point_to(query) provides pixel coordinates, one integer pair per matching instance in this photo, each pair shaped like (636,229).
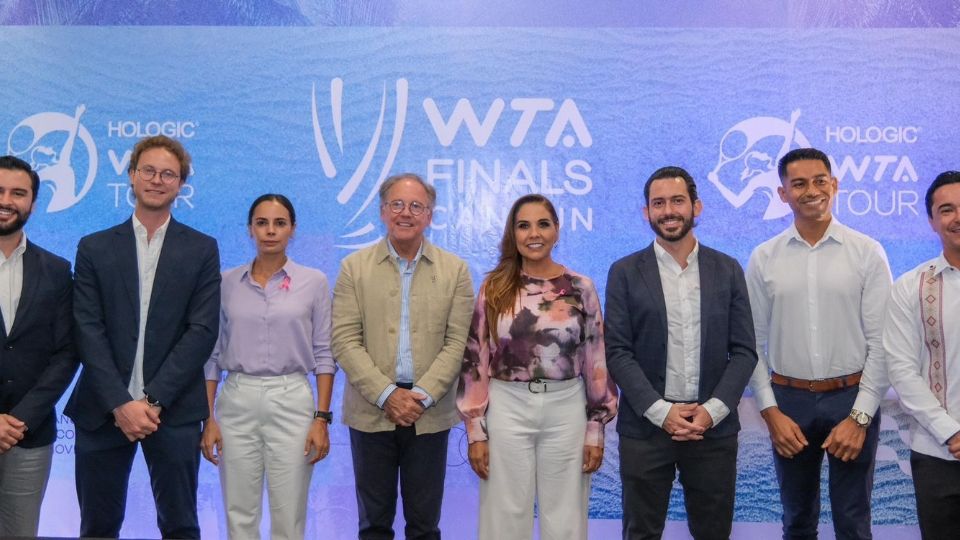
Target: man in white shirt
(680,345)
(818,291)
(37,358)
(921,337)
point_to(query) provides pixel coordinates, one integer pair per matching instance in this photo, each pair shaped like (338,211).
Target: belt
(541,386)
(817,385)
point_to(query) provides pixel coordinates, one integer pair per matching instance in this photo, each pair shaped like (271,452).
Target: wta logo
(48,141)
(749,153)
(360,185)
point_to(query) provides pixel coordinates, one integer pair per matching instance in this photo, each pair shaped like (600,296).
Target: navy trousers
(850,483)
(936,483)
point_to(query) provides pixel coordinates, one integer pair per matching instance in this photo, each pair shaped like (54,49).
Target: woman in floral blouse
(534,391)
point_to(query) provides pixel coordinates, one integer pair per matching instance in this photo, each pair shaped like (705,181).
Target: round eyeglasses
(397,206)
(167,176)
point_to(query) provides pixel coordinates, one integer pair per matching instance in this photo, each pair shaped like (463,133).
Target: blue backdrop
(488,101)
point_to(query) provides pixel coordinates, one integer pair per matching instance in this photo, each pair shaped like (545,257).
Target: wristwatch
(151,401)
(327,416)
(861,418)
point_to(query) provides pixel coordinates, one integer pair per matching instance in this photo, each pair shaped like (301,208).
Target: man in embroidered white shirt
(921,337)
(817,292)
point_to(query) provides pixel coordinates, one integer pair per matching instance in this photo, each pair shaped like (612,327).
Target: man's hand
(679,425)
(592,458)
(11,432)
(404,407)
(211,442)
(953,444)
(136,419)
(479,454)
(845,440)
(787,438)
(318,439)
(701,417)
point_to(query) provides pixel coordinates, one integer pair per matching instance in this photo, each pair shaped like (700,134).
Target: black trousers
(851,483)
(172,454)
(420,461)
(708,474)
(936,483)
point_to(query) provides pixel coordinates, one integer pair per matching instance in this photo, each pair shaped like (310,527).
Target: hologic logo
(351,194)
(48,142)
(749,153)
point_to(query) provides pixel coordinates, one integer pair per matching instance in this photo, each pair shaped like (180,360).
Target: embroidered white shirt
(908,358)
(818,310)
(148,255)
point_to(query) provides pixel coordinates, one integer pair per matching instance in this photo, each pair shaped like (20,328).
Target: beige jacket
(366,322)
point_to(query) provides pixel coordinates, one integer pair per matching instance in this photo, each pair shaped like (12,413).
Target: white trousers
(23,480)
(264,422)
(536,450)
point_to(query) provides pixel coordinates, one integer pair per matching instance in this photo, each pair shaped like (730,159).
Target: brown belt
(817,385)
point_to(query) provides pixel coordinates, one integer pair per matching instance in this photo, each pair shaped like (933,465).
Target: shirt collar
(140,229)
(664,256)
(396,256)
(835,232)
(17,251)
(289,269)
(940,264)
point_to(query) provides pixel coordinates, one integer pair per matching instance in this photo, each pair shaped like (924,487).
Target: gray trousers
(23,480)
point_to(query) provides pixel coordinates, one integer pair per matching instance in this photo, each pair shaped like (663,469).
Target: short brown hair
(162,141)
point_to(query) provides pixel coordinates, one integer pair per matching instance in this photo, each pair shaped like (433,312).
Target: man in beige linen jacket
(401,312)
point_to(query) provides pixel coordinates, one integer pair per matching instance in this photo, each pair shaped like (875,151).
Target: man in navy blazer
(146,305)
(680,345)
(37,358)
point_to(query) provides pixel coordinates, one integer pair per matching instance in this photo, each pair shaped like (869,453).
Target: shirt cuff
(944,427)
(476,429)
(765,398)
(717,410)
(594,435)
(385,394)
(657,413)
(866,403)
(427,403)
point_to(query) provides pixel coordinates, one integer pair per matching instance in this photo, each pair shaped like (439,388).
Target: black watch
(153,402)
(327,416)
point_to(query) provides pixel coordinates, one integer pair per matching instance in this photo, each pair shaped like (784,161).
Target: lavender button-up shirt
(279,329)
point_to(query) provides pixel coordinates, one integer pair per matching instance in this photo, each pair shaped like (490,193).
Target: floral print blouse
(556,332)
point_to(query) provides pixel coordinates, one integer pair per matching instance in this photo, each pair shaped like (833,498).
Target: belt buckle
(541,386)
(810,384)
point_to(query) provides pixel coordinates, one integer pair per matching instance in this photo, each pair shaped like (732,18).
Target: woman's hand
(211,442)
(592,458)
(479,454)
(317,439)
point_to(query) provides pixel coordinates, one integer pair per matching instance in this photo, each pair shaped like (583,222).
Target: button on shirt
(681,294)
(908,358)
(280,329)
(405,372)
(818,311)
(148,255)
(11,282)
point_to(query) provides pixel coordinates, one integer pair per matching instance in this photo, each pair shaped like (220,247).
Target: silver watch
(861,418)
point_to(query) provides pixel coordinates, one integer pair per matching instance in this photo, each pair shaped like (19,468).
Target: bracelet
(327,416)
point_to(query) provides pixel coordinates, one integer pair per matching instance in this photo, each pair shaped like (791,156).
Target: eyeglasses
(397,206)
(166,176)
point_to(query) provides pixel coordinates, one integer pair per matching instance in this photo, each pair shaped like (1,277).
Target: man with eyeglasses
(146,307)
(401,311)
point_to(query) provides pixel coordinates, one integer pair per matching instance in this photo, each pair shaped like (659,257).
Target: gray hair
(389,182)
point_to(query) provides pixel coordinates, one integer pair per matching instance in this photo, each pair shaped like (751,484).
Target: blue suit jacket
(635,334)
(37,357)
(182,325)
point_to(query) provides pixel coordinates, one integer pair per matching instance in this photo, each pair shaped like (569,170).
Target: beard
(14,227)
(685,227)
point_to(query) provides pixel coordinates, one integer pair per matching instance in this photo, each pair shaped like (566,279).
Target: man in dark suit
(37,358)
(680,345)
(146,305)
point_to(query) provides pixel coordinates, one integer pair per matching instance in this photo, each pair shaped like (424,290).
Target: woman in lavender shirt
(274,332)
(534,392)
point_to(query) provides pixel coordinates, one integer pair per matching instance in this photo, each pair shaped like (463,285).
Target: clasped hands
(404,407)
(687,421)
(137,419)
(11,432)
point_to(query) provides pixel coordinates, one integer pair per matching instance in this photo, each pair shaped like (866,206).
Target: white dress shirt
(908,358)
(11,282)
(681,294)
(148,255)
(818,311)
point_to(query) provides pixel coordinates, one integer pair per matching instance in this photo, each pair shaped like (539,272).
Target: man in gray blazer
(37,358)
(401,311)
(147,310)
(680,345)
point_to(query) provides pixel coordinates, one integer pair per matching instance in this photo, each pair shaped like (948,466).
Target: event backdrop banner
(579,109)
